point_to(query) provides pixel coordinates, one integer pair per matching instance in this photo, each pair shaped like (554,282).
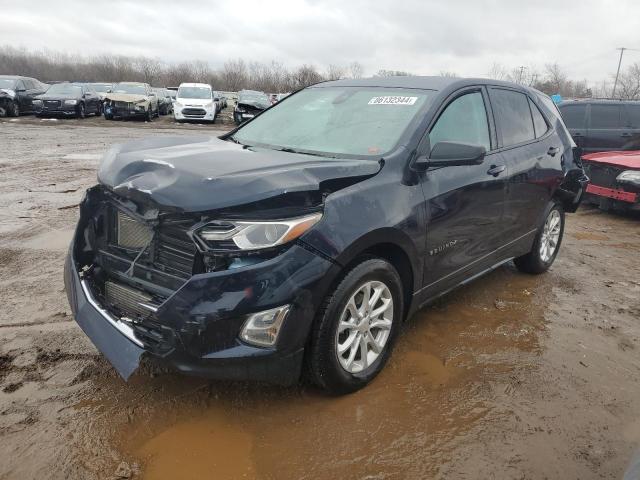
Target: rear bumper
(615,194)
(201,321)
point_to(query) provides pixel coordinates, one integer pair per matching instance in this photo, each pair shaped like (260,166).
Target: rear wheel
(356,327)
(546,244)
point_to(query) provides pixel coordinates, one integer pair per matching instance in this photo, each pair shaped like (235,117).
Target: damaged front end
(7,97)
(145,277)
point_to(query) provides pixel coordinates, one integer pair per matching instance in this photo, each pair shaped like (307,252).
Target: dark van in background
(603,125)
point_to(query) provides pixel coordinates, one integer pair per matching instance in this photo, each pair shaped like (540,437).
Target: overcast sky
(420,36)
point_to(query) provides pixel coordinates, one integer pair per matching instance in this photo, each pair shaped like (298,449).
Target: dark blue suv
(302,240)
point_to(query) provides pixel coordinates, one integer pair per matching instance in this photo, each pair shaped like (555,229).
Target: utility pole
(615,83)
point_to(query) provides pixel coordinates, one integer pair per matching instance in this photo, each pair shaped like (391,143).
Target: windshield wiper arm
(291,150)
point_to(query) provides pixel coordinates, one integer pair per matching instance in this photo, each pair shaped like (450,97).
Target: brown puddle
(406,424)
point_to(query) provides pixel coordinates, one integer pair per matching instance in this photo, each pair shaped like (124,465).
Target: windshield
(101,87)
(64,89)
(131,89)
(7,83)
(337,120)
(194,92)
(254,98)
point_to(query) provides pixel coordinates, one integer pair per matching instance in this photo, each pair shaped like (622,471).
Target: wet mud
(513,376)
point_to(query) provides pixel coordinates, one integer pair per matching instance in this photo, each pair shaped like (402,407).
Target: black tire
(149,115)
(158,111)
(322,365)
(534,261)
(99,110)
(81,112)
(14,111)
(108,116)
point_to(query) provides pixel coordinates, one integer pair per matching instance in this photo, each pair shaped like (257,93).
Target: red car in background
(614,179)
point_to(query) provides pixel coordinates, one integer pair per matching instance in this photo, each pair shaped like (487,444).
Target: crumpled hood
(7,92)
(252,104)
(126,97)
(626,159)
(195,174)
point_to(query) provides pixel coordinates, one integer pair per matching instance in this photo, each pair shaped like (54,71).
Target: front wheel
(546,244)
(356,327)
(149,115)
(14,111)
(81,112)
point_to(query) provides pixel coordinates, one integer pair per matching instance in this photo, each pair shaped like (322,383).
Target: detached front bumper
(124,112)
(201,321)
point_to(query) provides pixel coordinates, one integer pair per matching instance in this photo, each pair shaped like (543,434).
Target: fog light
(262,328)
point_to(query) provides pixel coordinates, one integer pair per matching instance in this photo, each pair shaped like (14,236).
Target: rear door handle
(496,170)
(552,151)
(626,134)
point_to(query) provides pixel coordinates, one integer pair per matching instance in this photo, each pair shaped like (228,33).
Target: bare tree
(234,75)
(356,70)
(629,83)
(306,75)
(444,73)
(498,72)
(335,72)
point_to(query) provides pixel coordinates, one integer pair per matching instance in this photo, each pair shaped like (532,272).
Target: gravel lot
(514,376)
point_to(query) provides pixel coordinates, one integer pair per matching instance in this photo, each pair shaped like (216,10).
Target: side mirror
(448,154)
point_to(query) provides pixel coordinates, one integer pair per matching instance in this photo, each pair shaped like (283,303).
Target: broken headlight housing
(254,235)
(631,177)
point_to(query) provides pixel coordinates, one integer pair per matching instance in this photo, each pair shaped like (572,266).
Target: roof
(13,77)
(425,83)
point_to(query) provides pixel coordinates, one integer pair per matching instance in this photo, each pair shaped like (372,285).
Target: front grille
(122,105)
(602,175)
(51,103)
(130,233)
(169,250)
(175,251)
(194,112)
(128,301)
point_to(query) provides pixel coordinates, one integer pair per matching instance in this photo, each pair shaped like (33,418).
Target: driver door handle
(496,170)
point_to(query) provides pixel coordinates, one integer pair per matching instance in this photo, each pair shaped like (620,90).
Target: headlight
(70,102)
(247,235)
(629,176)
(240,110)
(37,102)
(177,104)
(208,105)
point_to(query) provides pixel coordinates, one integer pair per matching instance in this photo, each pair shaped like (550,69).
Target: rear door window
(539,123)
(513,116)
(574,115)
(464,120)
(605,117)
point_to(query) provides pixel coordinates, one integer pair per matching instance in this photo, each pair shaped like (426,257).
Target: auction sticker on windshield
(393,100)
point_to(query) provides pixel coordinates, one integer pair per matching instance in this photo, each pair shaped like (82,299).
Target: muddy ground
(514,376)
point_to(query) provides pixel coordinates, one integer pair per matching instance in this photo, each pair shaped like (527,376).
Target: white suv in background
(195,101)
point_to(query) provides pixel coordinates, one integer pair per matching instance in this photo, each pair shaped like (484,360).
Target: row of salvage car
(190,101)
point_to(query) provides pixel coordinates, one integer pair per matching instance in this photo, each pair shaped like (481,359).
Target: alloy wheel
(364,326)
(550,235)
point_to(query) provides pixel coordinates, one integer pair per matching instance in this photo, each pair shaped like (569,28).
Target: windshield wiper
(302,152)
